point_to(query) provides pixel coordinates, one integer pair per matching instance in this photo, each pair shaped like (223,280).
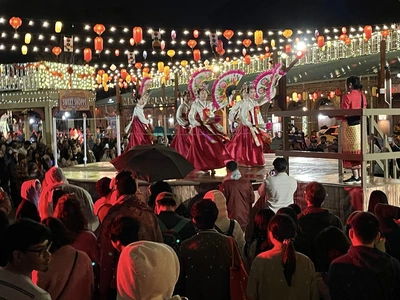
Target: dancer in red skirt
(182,139)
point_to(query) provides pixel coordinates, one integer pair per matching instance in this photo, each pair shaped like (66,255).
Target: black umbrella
(154,163)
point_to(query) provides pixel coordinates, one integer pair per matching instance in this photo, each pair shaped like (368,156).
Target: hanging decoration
(15,23)
(27,38)
(171,53)
(287,33)
(131,57)
(162,45)
(247,60)
(137,35)
(58,26)
(228,34)
(192,43)
(213,40)
(244,51)
(24,50)
(99,29)
(87,55)
(68,44)
(368,31)
(116,52)
(258,37)
(196,55)
(56,51)
(195,34)
(156,36)
(173,35)
(246,43)
(160,67)
(145,54)
(320,41)
(98,44)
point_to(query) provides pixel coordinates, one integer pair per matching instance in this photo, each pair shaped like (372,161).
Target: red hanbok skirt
(207,151)
(182,140)
(139,135)
(244,150)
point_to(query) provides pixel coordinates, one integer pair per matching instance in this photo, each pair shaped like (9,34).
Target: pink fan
(197,80)
(147,82)
(265,83)
(223,86)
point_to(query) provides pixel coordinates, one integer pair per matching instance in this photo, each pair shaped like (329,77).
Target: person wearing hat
(168,219)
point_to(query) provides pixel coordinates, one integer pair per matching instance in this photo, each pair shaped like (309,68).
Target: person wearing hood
(364,272)
(239,195)
(30,194)
(224,224)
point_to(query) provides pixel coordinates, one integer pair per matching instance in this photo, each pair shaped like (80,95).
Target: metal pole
(55,154)
(84,140)
(118,135)
(165,130)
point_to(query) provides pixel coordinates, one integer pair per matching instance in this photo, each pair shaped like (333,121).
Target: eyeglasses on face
(42,251)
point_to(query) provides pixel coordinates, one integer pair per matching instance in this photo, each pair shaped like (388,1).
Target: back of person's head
(166,199)
(103,186)
(145,257)
(283,229)
(59,233)
(20,236)
(192,201)
(157,188)
(315,194)
(375,198)
(125,183)
(280,164)
(365,227)
(296,208)
(232,166)
(204,214)
(354,83)
(261,221)
(348,222)
(70,213)
(330,244)
(289,212)
(124,229)
(220,201)
(54,176)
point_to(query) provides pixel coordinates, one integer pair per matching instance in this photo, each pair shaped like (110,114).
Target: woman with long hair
(181,141)
(282,273)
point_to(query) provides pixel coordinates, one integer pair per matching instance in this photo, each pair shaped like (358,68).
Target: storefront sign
(74,100)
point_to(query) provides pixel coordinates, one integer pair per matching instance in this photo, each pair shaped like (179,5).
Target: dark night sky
(208,13)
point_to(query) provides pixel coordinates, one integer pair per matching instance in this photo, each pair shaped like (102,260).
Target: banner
(68,44)
(74,100)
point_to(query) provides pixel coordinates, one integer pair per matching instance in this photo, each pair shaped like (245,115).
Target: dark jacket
(364,273)
(386,215)
(170,219)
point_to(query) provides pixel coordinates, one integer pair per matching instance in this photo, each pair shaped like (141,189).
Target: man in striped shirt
(24,247)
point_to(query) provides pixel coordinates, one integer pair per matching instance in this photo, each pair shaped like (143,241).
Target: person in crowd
(239,195)
(21,170)
(223,224)
(282,273)
(128,205)
(334,147)
(30,194)
(206,258)
(107,154)
(5,202)
(69,212)
(4,176)
(55,180)
(70,272)
(375,198)
(103,205)
(351,126)
(331,243)
(169,220)
(314,147)
(278,190)
(323,144)
(157,188)
(98,150)
(24,246)
(364,272)
(12,169)
(259,241)
(295,207)
(34,172)
(24,149)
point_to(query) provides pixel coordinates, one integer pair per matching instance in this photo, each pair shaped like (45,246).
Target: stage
(341,199)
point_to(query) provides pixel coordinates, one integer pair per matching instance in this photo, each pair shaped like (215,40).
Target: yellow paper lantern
(28,38)
(295,97)
(184,63)
(171,53)
(105,86)
(329,44)
(167,71)
(287,33)
(160,66)
(98,79)
(128,78)
(24,50)
(272,43)
(305,96)
(105,77)
(258,37)
(163,81)
(374,91)
(58,27)
(234,62)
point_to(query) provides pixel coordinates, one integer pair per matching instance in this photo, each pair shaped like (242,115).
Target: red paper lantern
(195,34)
(228,34)
(196,55)
(368,32)
(320,41)
(192,43)
(99,29)
(347,41)
(15,22)
(246,43)
(101,72)
(137,35)
(98,44)
(247,59)
(385,33)
(146,70)
(343,37)
(219,47)
(314,96)
(123,73)
(268,54)
(56,51)
(288,48)
(87,54)
(116,52)
(138,65)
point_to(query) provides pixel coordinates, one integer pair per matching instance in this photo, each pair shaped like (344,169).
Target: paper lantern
(261,57)
(267,54)
(320,41)
(273,43)
(138,65)
(137,35)
(220,46)
(305,96)
(144,54)
(385,33)
(99,29)
(368,32)
(24,50)
(195,34)
(258,37)
(56,51)
(246,43)
(58,27)
(192,43)
(98,43)
(247,59)
(344,30)
(98,79)
(28,38)
(101,72)
(15,22)
(347,41)
(228,34)
(162,45)
(196,55)
(244,51)
(128,78)
(287,33)
(171,53)
(167,71)
(106,87)
(294,97)
(288,48)
(87,55)
(222,52)
(173,35)
(314,96)
(116,52)
(132,41)
(146,70)
(106,78)
(123,73)
(266,49)
(160,67)
(343,37)
(316,33)
(184,63)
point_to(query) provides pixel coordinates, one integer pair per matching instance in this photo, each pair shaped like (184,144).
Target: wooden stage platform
(341,199)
